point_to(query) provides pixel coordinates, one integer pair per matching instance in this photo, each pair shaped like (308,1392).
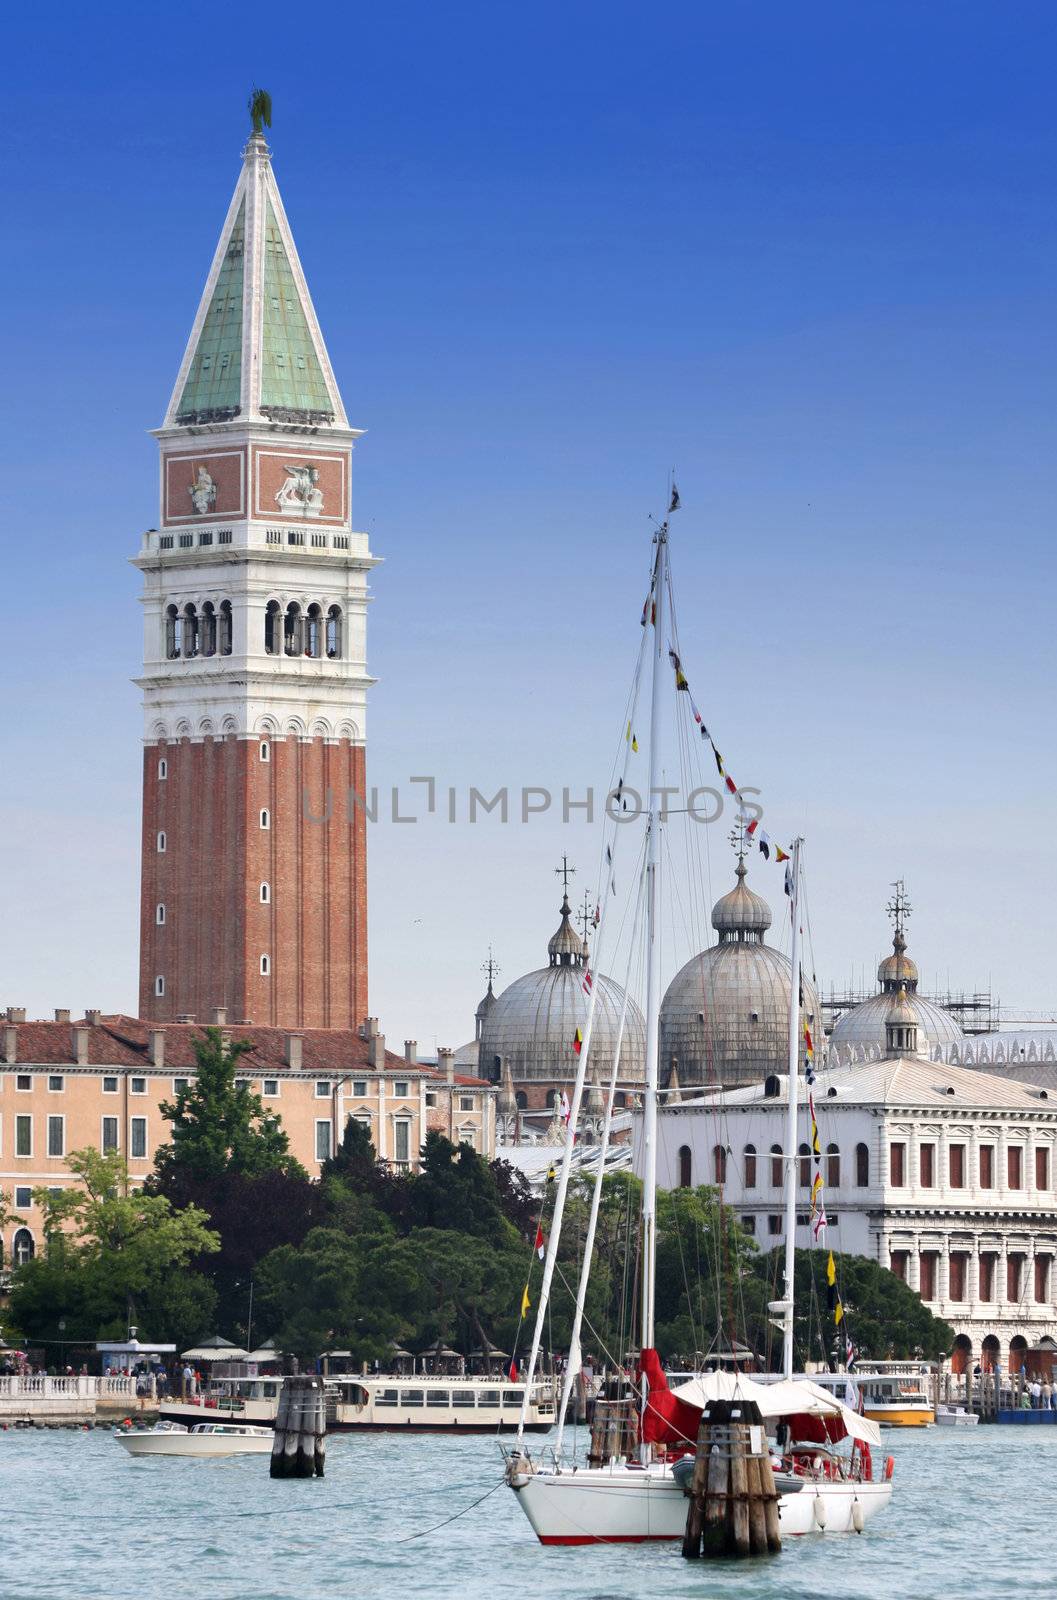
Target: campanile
(254,885)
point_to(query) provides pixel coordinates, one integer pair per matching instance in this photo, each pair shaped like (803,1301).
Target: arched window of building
(862,1166)
(832,1166)
(266,820)
(208,630)
(225,638)
(520,1099)
(334,642)
(776,1166)
(163,770)
(159,985)
(190,630)
(620,1100)
(266,966)
(551,1096)
(749,1165)
(685,1166)
(173,634)
(265,750)
(314,632)
(23,1248)
(159,915)
(271,628)
(719,1164)
(266,894)
(804,1166)
(293,630)
(161,844)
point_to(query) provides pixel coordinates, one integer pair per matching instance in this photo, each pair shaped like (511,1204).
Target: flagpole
(792,1085)
(653,962)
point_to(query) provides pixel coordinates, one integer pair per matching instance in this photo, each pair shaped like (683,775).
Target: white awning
(786,1398)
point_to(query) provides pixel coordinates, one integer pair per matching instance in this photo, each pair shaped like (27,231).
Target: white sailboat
(631,1489)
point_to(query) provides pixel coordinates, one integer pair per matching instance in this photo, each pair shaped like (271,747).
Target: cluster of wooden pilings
(733,1499)
(299,1449)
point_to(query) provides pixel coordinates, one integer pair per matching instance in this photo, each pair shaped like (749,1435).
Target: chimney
(411,1051)
(446,1060)
(294,1042)
(10,1044)
(156,1047)
(16,1013)
(93,1018)
(377,1048)
(81,1036)
(185,1016)
(220,1016)
(62,1016)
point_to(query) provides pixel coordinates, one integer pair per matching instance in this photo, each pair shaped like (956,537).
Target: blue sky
(806,256)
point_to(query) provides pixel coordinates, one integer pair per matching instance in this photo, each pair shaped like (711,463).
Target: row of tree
(230,1232)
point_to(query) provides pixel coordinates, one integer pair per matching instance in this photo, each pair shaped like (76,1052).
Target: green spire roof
(291,375)
(214,380)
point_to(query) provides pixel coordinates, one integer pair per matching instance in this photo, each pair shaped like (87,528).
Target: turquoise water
(973,1515)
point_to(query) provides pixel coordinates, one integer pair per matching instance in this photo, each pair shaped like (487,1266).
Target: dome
(532,1024)
(486,1004)
(725,1016)
(741,914)
(863,1028)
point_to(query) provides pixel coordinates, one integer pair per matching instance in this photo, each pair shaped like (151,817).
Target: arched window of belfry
(208,630)
(225,628)
(334,640)
(190,640)
(271,628)
(173,634)
(293,630)
(314,632)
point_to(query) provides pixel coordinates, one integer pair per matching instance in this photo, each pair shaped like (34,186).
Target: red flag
(541,1245)
(513,1371)
(578,1043)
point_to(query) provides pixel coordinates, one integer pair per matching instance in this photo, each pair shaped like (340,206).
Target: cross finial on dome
(565,872)
(491,969)
(899,909)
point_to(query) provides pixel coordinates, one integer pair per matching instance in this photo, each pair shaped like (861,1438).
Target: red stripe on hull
(612,1538)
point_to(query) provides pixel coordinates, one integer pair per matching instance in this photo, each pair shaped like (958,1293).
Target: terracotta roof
(120,1041)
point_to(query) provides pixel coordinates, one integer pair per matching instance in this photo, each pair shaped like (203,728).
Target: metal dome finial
(899,909)
(491,969)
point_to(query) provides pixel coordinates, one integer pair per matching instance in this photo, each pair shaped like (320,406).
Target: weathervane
(565,872)
(736,837)
(491,967)
(260,109)
(586,914)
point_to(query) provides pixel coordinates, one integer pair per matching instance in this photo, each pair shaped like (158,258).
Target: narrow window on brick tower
(266,752)
(208,630)
(159,915)
(265,966)
(159,985)
(163,770)
(334,633)
(293,630)
(173,634)
(266,820)
(266,894)
(314,632)
(190,631)
(225,627)
(271,628)
(161,844)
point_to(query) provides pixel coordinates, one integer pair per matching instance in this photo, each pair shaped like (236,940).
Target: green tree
(218,1124)
(111,1257)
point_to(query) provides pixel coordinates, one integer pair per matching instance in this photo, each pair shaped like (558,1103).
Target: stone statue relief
(301,491)
(203,492)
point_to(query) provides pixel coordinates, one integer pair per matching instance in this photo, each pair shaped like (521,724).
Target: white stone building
(942,1173)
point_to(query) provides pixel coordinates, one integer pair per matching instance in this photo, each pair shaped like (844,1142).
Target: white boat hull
(628,1505)
(191,1444)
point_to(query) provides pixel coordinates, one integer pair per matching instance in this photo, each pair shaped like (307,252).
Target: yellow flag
(831,1270)
(525,1302)
(838,1314)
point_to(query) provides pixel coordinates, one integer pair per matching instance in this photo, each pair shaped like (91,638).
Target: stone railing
(90,1388)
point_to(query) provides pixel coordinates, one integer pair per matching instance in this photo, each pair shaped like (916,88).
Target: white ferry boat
(893,1393)
(384,1402)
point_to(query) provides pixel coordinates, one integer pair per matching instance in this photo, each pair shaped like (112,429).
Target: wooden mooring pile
(733,1499)
(299,1449)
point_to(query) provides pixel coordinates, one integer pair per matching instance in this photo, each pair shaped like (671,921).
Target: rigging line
(421,1534)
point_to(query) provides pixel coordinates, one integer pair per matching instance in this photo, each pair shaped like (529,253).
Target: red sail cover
(667,1421)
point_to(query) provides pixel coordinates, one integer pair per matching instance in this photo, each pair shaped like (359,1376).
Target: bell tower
(254,885)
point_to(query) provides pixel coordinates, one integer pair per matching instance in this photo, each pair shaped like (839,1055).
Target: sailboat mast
(792,1110)
(653,951)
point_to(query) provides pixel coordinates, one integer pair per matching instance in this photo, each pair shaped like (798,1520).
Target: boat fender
(858,1521)
(820,1511)
(890,1466)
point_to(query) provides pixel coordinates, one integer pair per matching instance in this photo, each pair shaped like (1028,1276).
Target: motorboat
(204,1439)
(955,1417)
